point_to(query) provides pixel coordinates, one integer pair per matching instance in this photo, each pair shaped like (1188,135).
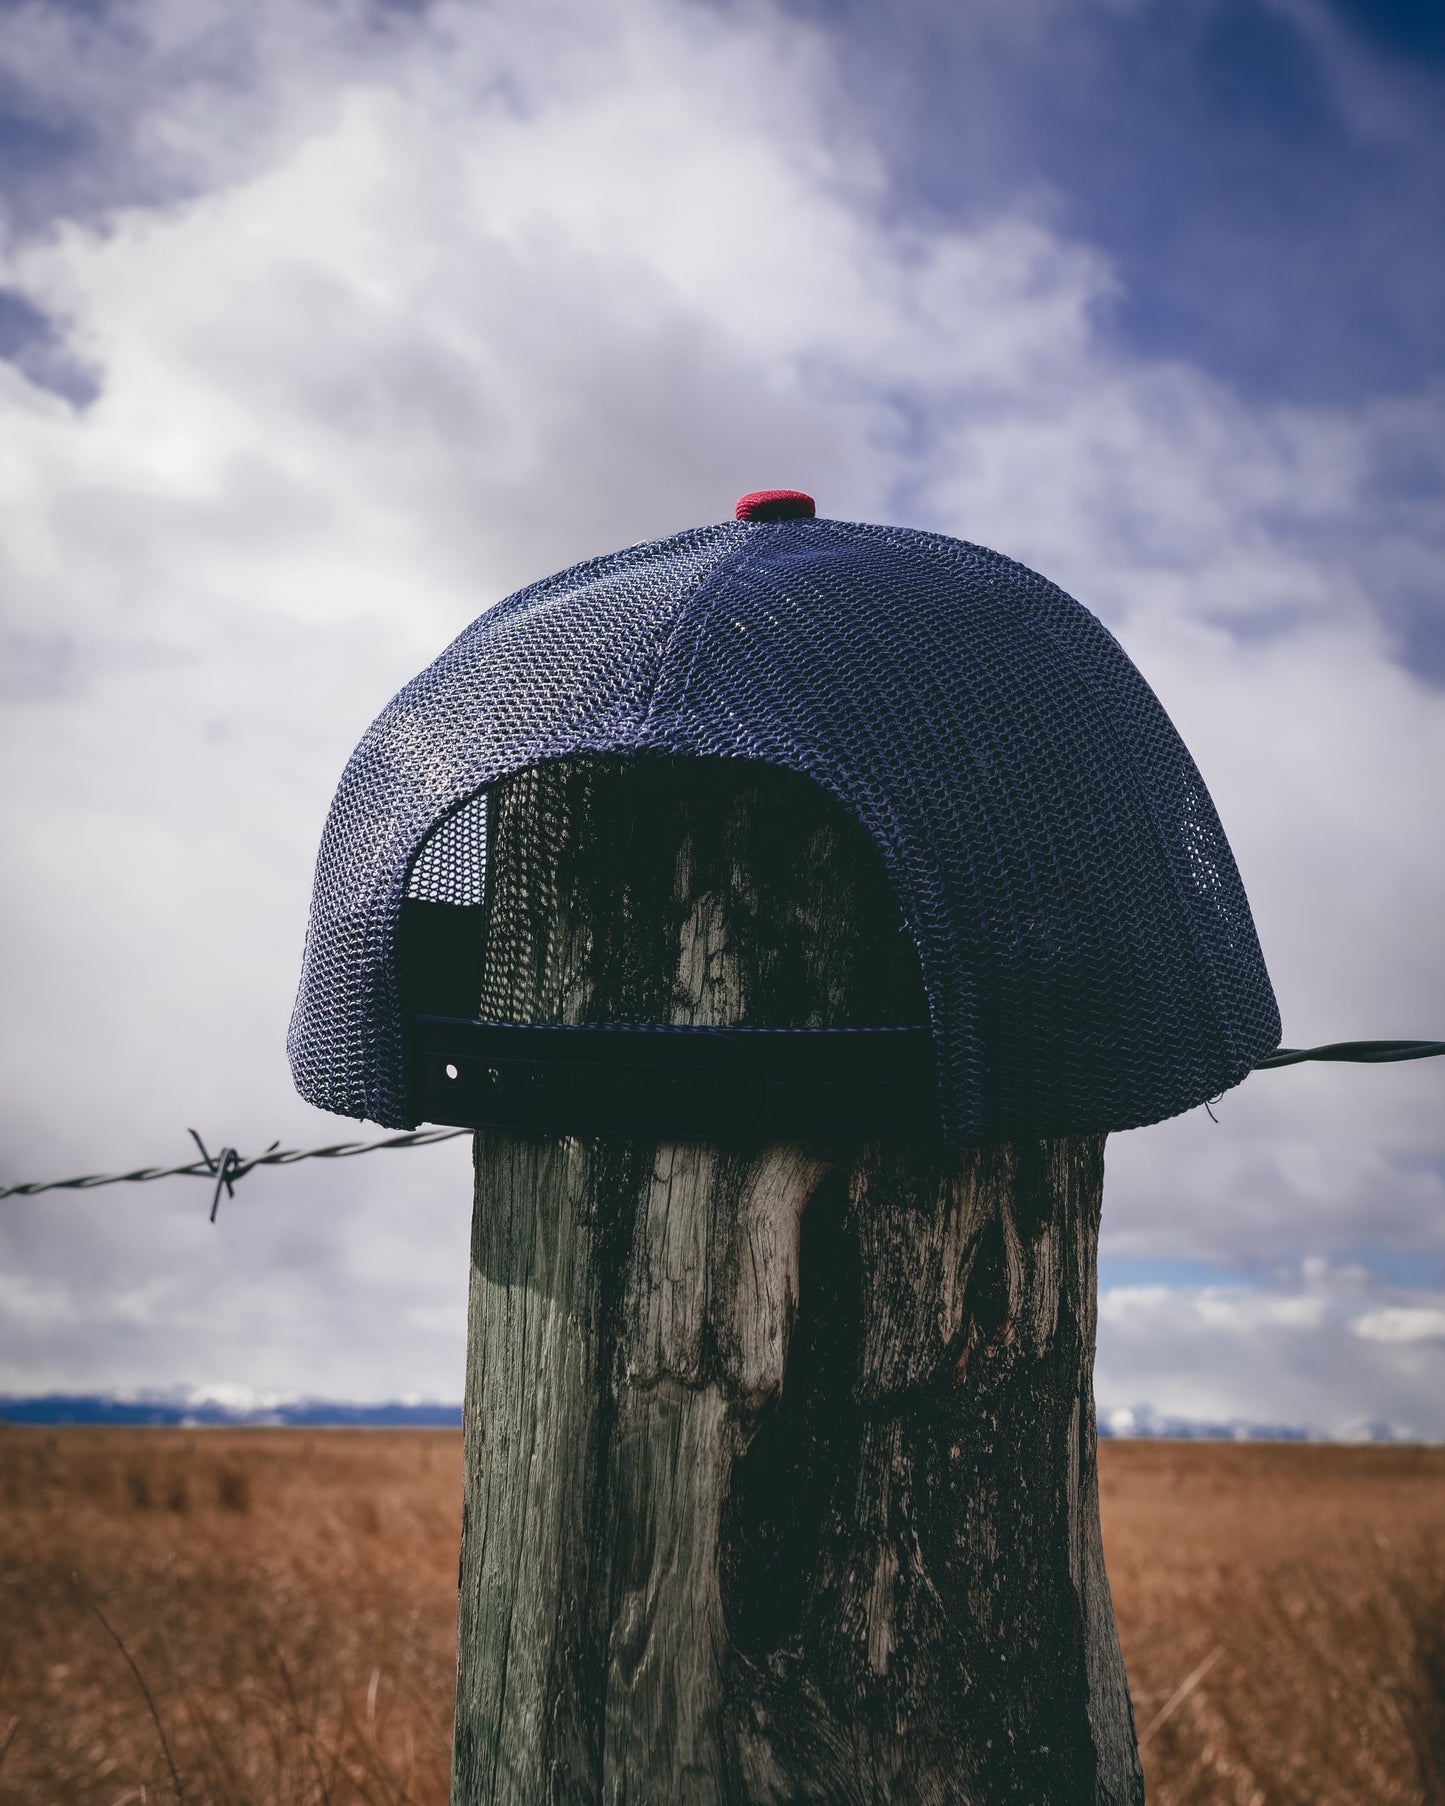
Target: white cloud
(1402,1323)
(1326,1349)
(453,302)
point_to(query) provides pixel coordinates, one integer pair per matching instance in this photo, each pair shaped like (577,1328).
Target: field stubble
(267,1618)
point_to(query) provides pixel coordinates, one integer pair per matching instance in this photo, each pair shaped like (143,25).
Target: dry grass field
(1305,1587)
(237,1617)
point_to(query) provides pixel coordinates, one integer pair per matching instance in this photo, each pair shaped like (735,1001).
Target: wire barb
(224,1167)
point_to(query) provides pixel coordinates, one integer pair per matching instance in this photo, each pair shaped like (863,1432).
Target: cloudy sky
(324,326)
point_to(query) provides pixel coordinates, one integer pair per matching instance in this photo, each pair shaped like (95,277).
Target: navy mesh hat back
(1084,939)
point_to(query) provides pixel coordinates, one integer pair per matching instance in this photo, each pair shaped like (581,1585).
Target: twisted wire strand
(1368,1053)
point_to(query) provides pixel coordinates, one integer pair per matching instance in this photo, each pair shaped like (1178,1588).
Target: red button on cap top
(775,504)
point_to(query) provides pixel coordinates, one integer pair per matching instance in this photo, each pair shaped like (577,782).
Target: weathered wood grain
(780,1476)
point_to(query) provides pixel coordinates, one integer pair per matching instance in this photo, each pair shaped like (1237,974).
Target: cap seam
(730,562)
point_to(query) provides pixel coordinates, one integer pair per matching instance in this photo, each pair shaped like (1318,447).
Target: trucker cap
(1083,937)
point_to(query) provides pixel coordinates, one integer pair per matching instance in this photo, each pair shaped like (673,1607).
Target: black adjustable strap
(674,1083)
(713,1084)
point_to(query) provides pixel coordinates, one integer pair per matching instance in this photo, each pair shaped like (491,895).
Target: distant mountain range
(196,1408)
(162,1410)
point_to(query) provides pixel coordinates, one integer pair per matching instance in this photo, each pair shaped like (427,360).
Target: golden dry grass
(287,1599)
(1314,1577)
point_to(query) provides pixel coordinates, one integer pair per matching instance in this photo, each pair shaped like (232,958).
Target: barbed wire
(228,1166)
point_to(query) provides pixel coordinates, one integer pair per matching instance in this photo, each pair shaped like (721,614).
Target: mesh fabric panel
(452,864)
(566,665)
(1084,938)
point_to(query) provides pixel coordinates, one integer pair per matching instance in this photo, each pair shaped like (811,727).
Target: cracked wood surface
(780,1459)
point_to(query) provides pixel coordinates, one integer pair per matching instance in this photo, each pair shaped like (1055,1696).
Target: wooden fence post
(780,1459)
